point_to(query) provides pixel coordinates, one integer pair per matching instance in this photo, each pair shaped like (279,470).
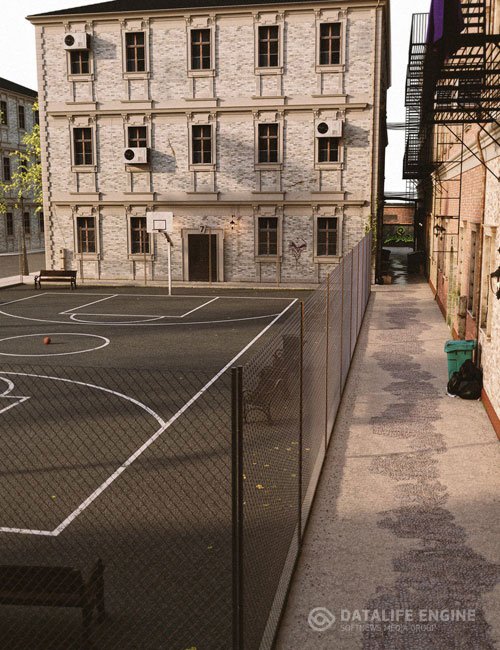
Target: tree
(25,181)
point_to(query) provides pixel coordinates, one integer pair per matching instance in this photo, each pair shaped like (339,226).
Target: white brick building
(17,119)
(224,100)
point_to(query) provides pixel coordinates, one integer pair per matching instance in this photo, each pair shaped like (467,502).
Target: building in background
(16,119)
(453,155)
(261,127)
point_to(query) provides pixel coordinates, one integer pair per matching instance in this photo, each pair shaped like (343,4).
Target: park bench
(43,586)
(49,275)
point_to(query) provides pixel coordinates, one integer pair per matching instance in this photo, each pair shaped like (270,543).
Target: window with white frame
(268,46)
(201,144)
(83,146)
(267,236)
(471,299)
(489,265)
(4,115)
(201,49)
(21,117)
(135,51)
(137,136)
(327,237)
(328,150)
(330,44)
(139,236)
(86,234)
(268,143)
(79,62)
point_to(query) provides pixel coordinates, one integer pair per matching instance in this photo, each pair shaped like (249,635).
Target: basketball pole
(169,260)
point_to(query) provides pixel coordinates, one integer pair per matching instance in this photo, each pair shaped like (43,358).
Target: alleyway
(407,514)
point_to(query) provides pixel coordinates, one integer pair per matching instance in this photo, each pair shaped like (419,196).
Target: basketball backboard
(160,222)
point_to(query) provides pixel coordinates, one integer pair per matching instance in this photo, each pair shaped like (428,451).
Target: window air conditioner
(136,156)
(77,41)
(329,129)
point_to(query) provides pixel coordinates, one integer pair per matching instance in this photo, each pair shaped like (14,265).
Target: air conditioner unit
(77,41)
(329,128)
(136,156)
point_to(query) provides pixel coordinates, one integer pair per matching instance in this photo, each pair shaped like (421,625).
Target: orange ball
(47,340)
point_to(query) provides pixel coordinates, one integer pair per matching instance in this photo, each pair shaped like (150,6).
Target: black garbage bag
(467,383)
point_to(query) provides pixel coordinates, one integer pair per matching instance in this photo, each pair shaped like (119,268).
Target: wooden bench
(49,275)
(42,586)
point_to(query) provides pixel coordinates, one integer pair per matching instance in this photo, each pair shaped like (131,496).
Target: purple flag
(446,22)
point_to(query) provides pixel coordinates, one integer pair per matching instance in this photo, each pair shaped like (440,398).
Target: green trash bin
(458,352)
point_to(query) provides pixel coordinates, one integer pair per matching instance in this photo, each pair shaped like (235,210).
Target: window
(27,223)
(21,117)
(268,236)
(3,112)
(9,224)
(86,234)
(202,144)
(201,58)
(137,136)
(268,143)
(41,222)
(82,143)
(80,62)
(269,46)
(23,165)
(36,117)
(135,46)
(328,150)
(6,169)
(329,43)
(139,237)
(326,241)
(471,300)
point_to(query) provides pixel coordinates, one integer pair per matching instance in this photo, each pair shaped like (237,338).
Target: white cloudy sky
(17,60)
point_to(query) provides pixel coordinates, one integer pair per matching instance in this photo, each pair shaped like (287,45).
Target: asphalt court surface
(116,444)
(134,329)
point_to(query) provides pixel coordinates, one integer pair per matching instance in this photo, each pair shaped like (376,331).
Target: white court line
(151,295)
(200,307)
(75,319)
(18,398)
(11,302)
(164,426)
(70,311)
(147,319)
(55,354)
(10,387)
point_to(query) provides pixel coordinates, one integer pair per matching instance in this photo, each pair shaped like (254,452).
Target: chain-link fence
(289,395)
(165,510)
(114,495)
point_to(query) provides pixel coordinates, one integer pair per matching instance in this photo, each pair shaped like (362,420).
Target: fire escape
(444,93)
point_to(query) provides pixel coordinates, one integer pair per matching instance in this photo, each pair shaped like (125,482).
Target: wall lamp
(232,223)
(438,230)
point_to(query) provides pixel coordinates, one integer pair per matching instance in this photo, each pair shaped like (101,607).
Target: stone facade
(17,99)
(230,197)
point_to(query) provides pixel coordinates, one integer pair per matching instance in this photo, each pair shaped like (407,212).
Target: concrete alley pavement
(407,514)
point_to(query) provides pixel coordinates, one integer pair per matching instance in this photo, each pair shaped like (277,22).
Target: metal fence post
(301,420)
(327,356)
(341,325)
(237,503)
